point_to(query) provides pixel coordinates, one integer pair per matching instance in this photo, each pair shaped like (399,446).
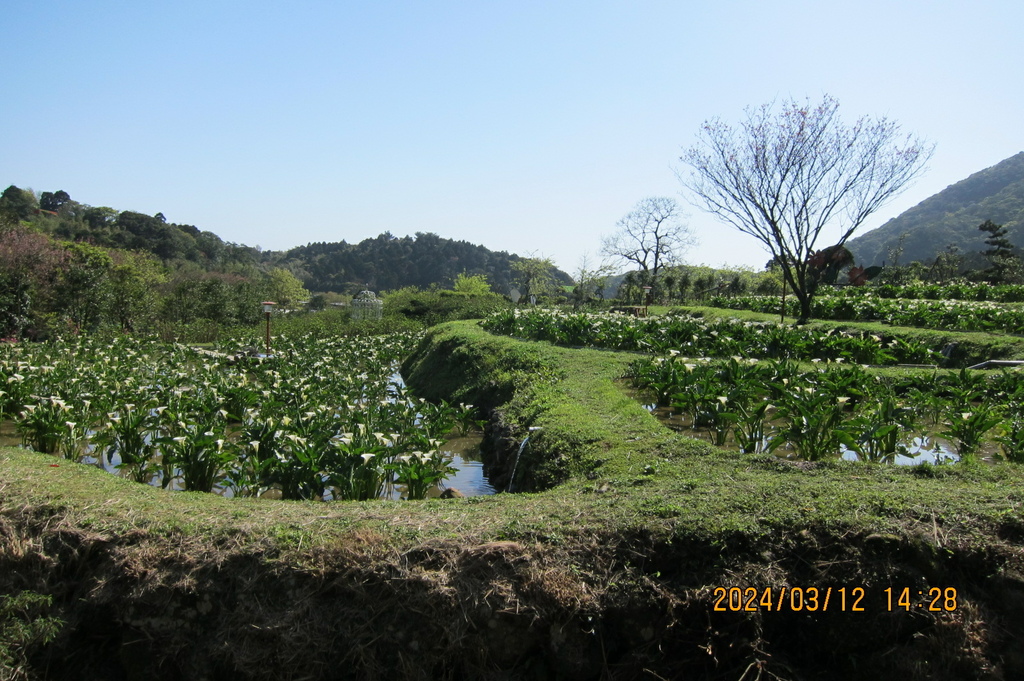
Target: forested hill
(952,217)
(381,263)
(63,218)
(387,262)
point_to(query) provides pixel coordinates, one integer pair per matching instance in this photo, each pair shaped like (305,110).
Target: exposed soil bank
(610,574)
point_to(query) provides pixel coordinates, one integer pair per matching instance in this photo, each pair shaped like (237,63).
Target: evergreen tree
(684,284)
(1005,264)
(947,264)
(16,205)
(627,291)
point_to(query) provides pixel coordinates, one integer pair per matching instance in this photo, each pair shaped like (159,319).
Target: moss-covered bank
(609,573)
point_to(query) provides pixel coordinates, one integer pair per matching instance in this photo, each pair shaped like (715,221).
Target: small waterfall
(515,465)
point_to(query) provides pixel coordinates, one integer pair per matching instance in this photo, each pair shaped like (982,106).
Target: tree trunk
(805,309)
(805,294)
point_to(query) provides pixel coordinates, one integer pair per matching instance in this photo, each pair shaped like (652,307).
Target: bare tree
(651,236)
(784,176)
(589,281)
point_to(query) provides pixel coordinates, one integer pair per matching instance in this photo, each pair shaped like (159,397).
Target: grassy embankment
(610,573)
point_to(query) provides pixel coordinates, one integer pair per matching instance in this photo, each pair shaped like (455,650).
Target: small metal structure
(367,306)
(997,363)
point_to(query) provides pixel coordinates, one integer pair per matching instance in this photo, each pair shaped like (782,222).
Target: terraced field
(639,552)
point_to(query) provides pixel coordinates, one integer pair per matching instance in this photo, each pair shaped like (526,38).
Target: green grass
(585,415)
(592,433)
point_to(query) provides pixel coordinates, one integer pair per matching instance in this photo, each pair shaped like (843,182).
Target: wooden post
(267,307)
(782,319)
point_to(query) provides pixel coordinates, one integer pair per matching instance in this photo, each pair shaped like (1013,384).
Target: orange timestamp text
(834,598)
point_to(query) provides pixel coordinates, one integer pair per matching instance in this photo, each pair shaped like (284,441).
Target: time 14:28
(935,599)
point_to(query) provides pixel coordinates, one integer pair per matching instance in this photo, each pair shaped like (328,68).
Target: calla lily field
(322,418)
(770,385)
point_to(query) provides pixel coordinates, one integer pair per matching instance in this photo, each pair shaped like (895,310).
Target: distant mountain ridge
(952,217)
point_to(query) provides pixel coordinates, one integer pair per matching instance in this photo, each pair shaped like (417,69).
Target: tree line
(387,262)
(66,267)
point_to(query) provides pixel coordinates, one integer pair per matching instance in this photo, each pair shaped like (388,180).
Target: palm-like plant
(130,433)
(968,428)
(814,424)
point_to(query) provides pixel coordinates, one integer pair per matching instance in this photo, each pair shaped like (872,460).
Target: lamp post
(647,298)
(268,306)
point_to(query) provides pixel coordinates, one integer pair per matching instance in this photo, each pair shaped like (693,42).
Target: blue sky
(524,126)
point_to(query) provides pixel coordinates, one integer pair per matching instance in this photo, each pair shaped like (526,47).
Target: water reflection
(469,479)
(913,449)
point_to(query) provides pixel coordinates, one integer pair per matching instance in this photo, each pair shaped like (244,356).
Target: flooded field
(469,479)
(915,448)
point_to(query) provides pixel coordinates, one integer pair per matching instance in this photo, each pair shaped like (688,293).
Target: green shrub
(434,306)
(24,625)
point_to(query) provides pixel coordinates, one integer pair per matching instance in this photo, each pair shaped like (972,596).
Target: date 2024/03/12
(821,599)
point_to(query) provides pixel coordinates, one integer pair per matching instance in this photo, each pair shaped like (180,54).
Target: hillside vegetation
(384,262)
(68,267)
(952,217)
(388,262)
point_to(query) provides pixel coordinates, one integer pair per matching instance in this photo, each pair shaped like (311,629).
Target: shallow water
(470,480)
(8,437)
(916,447)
